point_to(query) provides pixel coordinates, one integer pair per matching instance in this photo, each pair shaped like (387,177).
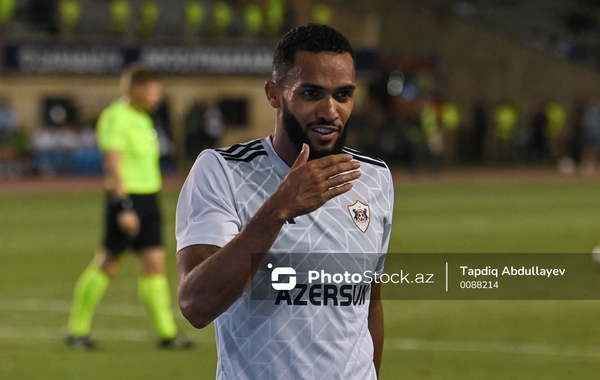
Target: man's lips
(324,129)
(323,132)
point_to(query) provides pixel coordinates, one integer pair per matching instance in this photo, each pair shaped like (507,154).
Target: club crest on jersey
(360,214)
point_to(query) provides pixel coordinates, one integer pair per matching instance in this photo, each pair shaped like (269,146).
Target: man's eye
(309,93)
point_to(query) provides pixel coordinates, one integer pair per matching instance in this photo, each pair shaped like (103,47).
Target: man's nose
(327,109)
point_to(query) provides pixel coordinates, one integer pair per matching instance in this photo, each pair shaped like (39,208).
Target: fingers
(333,159)
(302,157)
(310,184)
(338,168)
(334,192)
(342,179)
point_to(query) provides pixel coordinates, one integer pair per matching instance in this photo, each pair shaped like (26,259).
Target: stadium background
(499,192)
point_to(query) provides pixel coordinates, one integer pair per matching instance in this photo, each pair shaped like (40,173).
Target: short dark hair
(137,75)
(314,38)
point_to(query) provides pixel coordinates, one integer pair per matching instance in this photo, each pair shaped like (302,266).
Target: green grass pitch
(46,240)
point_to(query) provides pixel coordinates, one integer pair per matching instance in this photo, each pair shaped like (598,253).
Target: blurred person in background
(322,13)
(506,119)
(204,127)
(555,130)
(130,147)
(450,122)
(432,131)
(575,149)
(42,15)
(253,20)
(275,17)
(69,142)
(8,121)
(8,127)
(194,126)
(69,14)
(222,14)
(538,141)
(480,130)
(149,16)
(161,118)
(44,147)
(590,135)
(8,10)
(214,125)
(120,16)
(195,17)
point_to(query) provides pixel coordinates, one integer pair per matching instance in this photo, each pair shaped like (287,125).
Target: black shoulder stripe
(239,150)
(350,150)
(235,147)
(246,147)
(248,158)
(369,161)
(361,157)
(242,152)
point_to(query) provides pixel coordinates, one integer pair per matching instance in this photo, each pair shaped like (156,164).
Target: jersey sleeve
(387,228)
(206,212)
(111,132)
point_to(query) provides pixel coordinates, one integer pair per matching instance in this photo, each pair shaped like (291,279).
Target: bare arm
(112,177)
(211,278)
(376,324)
(128,221)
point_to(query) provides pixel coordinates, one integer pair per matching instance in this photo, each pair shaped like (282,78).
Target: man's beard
(299,136)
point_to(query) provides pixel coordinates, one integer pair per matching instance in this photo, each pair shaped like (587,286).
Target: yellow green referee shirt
(124,129)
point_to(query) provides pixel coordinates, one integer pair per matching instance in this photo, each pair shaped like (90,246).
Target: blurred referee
(130,147)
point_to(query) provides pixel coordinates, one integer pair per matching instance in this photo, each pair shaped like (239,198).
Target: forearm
(215,284)
(376,330)
(112,177)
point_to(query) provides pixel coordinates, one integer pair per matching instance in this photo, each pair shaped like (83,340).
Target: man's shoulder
(116,106)
(370,161)
(242,152)
(114,110)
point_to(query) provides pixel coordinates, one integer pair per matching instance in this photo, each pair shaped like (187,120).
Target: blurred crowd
(165,20)
(64,146)
(60,147)
(569,29)
(405,121)
(406,126)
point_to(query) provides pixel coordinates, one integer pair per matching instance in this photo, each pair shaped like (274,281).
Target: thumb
(302,157)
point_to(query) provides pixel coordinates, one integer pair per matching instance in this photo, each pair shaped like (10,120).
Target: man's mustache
(321,121)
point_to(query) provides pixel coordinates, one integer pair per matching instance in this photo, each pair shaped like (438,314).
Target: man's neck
(138,106)
(284,147)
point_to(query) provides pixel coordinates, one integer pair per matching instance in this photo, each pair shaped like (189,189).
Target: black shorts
(150,235)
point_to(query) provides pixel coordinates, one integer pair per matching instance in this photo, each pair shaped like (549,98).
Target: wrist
(123,203)
(126,204)
(275,212)
(280,217)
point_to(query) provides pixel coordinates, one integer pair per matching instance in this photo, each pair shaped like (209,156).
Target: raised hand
(310,184)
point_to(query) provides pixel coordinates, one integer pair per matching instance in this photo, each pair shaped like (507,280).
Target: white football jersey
(312,331)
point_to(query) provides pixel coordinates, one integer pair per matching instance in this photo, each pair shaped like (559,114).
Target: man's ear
(272,92)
